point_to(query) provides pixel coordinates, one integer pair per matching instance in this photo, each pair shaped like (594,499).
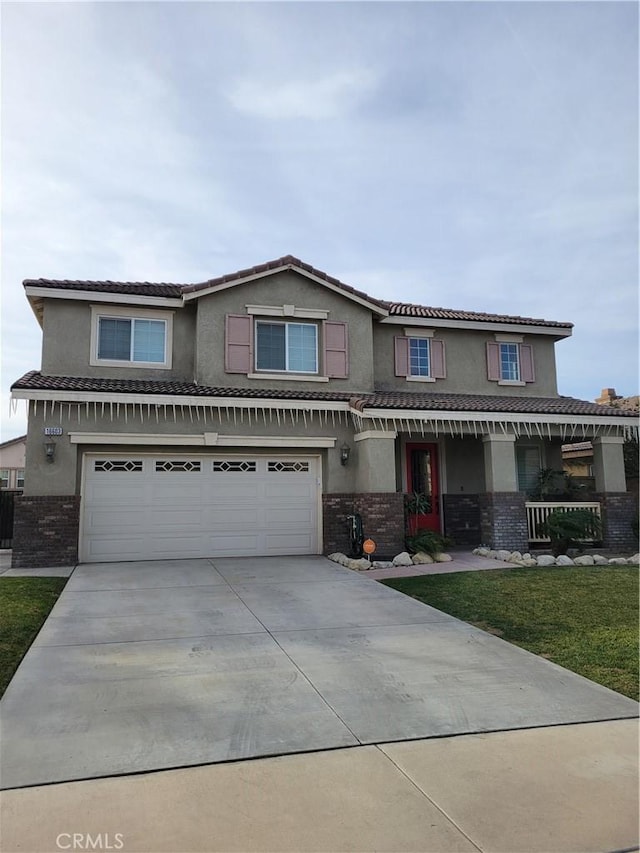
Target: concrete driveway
(147,666)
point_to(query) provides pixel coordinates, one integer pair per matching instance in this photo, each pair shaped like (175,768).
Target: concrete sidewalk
(563,788)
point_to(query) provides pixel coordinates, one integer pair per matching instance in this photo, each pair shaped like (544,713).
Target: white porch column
(376,461)
(500,463)
(608,464)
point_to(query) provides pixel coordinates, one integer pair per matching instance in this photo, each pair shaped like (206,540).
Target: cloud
(327,97)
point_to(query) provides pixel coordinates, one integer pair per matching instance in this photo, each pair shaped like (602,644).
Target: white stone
(563,560)
(617,561)
(482,552)
(503,555)
(584,560)
(529,561)
(443,558)
(546,560)
(633,561)
(335,557)
(527,556)
(402,559)
(599,560)
(493,554)
(382,564)
(360,565)
(422,559)
(515,557)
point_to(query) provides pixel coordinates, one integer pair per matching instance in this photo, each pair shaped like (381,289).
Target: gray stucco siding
(466,364)
(285,288)
(66,349)
(63,476)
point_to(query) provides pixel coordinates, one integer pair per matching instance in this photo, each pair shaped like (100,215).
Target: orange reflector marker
(368,546)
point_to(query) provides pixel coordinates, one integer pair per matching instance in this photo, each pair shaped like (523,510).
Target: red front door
(422,479)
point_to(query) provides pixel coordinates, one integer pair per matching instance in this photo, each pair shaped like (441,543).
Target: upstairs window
(122,338)
(510,362)
(419,357)
(20,478)
(4,478)
(287,347)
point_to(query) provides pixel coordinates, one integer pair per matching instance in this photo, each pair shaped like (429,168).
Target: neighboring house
(12,463)
(251,414)
(577,457)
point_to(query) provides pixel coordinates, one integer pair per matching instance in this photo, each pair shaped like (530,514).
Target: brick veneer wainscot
(45,531)
(462,519)
(618,510)
(503,520)
(382,518)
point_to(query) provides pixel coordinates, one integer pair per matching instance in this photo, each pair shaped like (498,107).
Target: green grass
(24,605)
(583,618)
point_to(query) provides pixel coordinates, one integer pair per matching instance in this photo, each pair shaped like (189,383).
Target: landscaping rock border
(403,559)
(548,560)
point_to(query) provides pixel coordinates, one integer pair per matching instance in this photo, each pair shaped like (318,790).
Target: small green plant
(427,541)
(569,528)
(551,482)
(417,503)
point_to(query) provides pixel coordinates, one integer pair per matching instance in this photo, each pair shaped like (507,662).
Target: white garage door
(143,507)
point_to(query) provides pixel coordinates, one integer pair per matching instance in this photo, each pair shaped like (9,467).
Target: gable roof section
(64,288)
(11,441)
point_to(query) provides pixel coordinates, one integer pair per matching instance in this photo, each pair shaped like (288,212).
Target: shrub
(569,528)
(427,541)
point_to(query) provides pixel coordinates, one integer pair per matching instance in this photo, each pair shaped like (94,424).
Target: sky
(470,155)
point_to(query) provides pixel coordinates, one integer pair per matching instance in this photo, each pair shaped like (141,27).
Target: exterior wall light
(345,450)
(50,450)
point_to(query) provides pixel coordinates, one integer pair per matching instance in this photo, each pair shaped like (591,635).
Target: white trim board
(207,439)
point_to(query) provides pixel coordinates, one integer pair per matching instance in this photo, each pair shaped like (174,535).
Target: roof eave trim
(479,325)
(225,285)
(136,399)
(101,296)
(498,417)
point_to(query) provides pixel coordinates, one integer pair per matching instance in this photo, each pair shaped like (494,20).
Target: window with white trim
(124,337)
(4,478)
(287,347)
(509,362)
(419,357)
(20,478)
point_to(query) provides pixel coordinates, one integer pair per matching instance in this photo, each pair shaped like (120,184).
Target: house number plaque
(53,430)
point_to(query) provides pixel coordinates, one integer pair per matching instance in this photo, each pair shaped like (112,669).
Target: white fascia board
(97,296)
(177,400)
(201,440)
(478,325)
(375,433)
(196,294)
(497,417)
(286,311)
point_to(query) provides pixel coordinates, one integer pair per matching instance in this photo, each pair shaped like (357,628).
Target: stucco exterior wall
(13,455)
(63,476)
(66,321)
(286,288)
(466,362)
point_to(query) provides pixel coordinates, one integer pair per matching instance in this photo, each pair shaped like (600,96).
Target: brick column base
(382,518)
(462,520)
(45,531)
(503,520)
(618,510)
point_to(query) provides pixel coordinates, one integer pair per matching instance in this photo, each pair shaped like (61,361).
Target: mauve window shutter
(493,361)
(527,372)
(438,366)
(336,350)
(401,347)
(238,343)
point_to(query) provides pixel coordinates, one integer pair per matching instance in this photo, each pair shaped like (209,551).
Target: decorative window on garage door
(233,466)
(177,465)
(129,465)
(286,467)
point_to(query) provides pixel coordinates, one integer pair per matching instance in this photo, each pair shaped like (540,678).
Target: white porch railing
(538,511)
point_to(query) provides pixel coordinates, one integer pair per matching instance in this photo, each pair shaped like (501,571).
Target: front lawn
(583,618)
(24,605)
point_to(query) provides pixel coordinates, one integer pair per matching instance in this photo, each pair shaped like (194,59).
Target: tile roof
(399,309)
(404,309)
(392,400)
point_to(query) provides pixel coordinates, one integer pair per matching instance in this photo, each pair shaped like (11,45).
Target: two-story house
(252,413)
